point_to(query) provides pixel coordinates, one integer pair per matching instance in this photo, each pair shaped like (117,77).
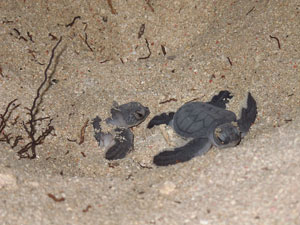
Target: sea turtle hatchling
(203,125)
(120,141)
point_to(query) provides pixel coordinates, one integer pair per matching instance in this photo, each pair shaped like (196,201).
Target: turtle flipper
(195,147)
(103,139)
(123,143)
(248,115)
(163,118)
(221,99)
(97,129)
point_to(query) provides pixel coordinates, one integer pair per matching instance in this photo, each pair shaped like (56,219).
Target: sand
(197,49)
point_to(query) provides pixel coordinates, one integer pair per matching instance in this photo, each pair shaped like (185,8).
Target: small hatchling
(203,124)
(120,140)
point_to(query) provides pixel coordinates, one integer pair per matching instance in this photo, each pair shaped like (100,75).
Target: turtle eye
(227,135)
(138,115)
(219,133)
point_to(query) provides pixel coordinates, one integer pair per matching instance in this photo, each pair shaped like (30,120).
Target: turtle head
(226,135)
(128,115)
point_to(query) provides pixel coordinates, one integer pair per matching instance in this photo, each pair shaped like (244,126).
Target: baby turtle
(203,125)
(119,142)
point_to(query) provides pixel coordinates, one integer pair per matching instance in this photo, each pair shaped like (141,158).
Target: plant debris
(113,11)
(30,37)
(141,31)
(55,198)
(146,57)
(82,132)
(17,31)
(145,167)
(213,76)
(1,72)
(73,21)
(278,42)
(52,36)
(149,4)
(32,53)
(4,118)
(87,208)
(163,50)
(169,100)
(192,100)
(113,164)
(31,125)
(229,61)
(19,36)
(250,11)
(85,39)
(72,140)
(106,60)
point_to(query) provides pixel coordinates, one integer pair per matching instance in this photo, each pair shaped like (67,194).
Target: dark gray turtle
(203,125)
(120,141)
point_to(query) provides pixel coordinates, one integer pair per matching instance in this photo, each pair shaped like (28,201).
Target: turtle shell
(199,119)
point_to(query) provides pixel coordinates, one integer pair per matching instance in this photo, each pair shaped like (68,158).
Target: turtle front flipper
(163,118)
(123,143)
(103,139)
(221,99)
(248,115)
(193,148)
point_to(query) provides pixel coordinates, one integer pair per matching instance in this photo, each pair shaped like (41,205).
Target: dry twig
(31,125)
(55,198)
(82,132)
(278,42)
(146,57)
(4,118)
(73,21)
(150,6)
(141,31)
(113,11)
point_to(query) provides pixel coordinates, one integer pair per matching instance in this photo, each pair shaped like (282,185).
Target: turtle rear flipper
(248,115)
(123,143)
(96,123)
(97,129)
(163,118)
(195,147)
(221,99)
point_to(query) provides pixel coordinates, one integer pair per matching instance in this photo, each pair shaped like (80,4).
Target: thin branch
(6,115)
(113,11)
(146,57)
(82,132)
(45,78)
(33,111)
(150,6)
(250,11)
(73,21)
(278,42)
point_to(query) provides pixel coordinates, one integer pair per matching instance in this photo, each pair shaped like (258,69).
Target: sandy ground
(209,45)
